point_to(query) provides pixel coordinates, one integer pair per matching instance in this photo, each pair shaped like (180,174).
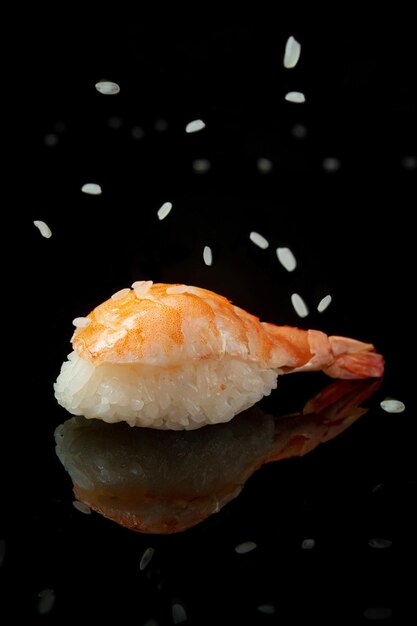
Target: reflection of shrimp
(165,482)
(174,356)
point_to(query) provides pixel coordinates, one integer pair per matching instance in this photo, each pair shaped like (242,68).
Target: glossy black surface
(360,109)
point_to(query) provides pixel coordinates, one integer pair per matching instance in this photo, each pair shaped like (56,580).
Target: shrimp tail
(297,350)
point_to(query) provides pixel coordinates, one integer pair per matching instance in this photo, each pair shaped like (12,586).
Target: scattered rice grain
(295,96)
(201,166)
(160,126)
(50,140)
(287,259)
(331,164)
(377,612)
(164,210)
(308,544)
(391,405)
(324,303)
(107,87)
(264,165)
(120,294)
(208,255)
(137,132)
(141,287)
(177,289)
(379,543)
(46,601)
(299,131)
(292,53)
(299,305)
(115,122)
(81,322)
(258,240)
(81,507)
(146,558)
(195,126)
(245,547)
(43,228)
(179,614)
(266,609)
(92,189)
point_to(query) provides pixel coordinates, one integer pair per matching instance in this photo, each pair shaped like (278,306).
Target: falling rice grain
(164,210)
(146,558)
(287,259)
(377,612)
(258,240)
(201,166)
(331,164)
(107,87)
(207,255)
(299,305)
(292,53)
(324,303)
(50,140)
(266,609)
(179,614)
(264,165)
(81,322)
(379,543)
(120,294)
(308,544)
(160,126)
(409,162)
(295,96)
(44,229)
(195,126)
(81,507)
(91,189)
(46,601)
(115,122)
(245,547)
(390,405)
(137,132)
(299,131)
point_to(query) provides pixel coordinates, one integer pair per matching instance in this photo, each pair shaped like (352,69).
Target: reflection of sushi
(180,357)
(165,482)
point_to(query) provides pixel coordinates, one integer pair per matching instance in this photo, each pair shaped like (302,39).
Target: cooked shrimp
(176,356)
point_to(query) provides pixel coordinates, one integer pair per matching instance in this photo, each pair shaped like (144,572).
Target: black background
(351,231)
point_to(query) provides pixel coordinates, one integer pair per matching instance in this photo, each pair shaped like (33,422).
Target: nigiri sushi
(180,357)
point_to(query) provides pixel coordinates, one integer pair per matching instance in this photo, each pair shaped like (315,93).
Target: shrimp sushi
(180,357)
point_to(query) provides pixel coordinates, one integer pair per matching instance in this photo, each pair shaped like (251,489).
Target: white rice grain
(46,601)
(146,558)
(287,259)
(201,166)
(377,613)
(208,255)
(92,189)
(324,303)
(164,210)
(266,609)
(264,165)
(299,305)
(120,294)
(331,164)
(391,405)
(308,544)
(299,131)
(107,87)
(137,132)
(177,289)
(245,547)
(195,126)
(81,322)
(141,287)
(292,53)
(179,614)
(258,240)
(43,228)
(379,543)
(81,507)
(295,96)
(50,139)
